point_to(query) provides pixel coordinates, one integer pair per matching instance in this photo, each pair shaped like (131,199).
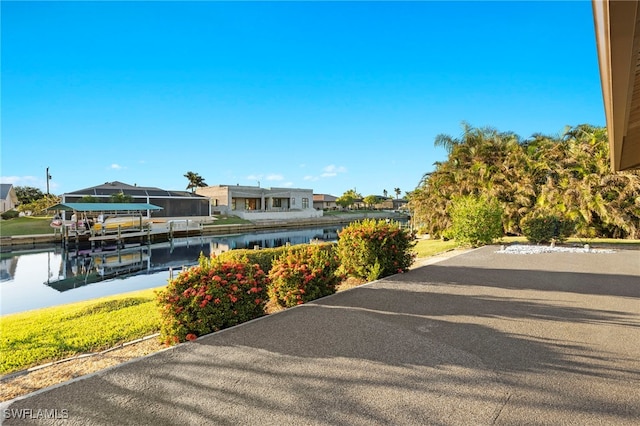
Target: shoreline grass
(35,337)
(27,225)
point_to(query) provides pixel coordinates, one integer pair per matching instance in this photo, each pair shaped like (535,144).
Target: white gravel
(531,249)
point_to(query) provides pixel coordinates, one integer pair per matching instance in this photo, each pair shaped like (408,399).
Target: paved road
(478,339)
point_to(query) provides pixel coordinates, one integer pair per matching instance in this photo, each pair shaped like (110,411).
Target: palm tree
(195,181)
(397,191)
(566,176)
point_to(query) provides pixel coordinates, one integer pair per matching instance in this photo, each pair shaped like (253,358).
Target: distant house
(8,197)
(400,204)
(390,203)
(173,203)
(384,203)
(256,203)
(324,202)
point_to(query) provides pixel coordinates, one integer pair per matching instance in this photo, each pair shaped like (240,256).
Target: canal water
(51,276)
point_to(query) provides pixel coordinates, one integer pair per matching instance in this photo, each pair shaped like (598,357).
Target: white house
(8,197)
(256,203)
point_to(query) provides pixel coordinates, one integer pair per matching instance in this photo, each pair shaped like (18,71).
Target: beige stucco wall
(293,199)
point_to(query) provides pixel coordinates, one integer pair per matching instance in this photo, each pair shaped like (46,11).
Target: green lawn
(25,226)
(428,248)
(43,335)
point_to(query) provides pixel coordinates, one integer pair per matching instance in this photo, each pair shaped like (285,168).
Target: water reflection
(31,280)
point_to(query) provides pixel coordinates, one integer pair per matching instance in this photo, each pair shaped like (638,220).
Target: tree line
(566,176)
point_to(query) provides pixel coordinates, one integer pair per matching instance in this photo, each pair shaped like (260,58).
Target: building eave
(617,29)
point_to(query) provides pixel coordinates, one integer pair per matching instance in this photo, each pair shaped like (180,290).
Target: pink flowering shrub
(372,249)
(263,257)
(302,274)
(210,296)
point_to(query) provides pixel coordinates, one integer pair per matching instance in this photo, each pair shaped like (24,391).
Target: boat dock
(148,233)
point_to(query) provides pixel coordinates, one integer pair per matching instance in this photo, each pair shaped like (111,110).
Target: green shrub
(544,229)
(372,249)
(10,214)
(263,257)
(210,296)
(475,220)
(304,273)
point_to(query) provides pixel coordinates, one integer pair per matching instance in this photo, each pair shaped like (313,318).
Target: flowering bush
(210,296)
(263,257)
(372,249)
(302,274)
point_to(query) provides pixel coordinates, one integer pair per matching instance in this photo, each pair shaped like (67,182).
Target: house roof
(5,188)
(104,207)
(617,27)
(115,187)
(324,197)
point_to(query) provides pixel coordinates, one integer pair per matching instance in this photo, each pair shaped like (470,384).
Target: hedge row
(234,287)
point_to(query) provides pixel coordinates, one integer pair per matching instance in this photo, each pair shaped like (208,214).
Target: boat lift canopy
(104,207)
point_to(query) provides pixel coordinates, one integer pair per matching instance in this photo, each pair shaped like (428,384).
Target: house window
(277,202)
(233,204)
(305,203)
(251,204)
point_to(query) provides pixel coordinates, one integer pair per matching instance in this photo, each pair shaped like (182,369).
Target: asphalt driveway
(478,339)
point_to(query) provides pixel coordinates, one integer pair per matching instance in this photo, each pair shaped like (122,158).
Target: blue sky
(324,95)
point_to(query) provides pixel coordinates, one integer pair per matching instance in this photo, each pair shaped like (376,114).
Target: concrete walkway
(481,338)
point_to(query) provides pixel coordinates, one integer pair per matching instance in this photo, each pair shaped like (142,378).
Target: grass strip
(26,226)
(428,248)
(44,335)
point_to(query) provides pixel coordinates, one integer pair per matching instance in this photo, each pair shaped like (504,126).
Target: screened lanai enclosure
(173,203)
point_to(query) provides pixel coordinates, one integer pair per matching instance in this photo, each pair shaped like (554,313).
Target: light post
(48,179)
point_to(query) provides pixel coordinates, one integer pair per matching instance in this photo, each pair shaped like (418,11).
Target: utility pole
(48,178)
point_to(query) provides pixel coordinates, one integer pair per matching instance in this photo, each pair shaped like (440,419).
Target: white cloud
(275,177)
(333,170)
(254,177)
(328,172)
(115,166)
(31,181)
(20,180)
(287,184)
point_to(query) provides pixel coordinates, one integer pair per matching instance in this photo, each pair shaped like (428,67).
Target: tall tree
(28,194)
(370,200)
(195,181)
(348,198)
(397,191)
(566,175)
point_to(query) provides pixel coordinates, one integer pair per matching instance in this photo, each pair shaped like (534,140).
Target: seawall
(21,242)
